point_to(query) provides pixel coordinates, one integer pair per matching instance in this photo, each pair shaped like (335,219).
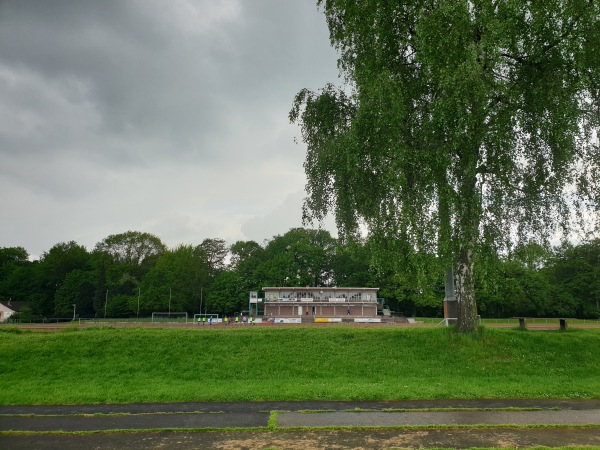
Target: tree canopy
(131,247)
(461,126)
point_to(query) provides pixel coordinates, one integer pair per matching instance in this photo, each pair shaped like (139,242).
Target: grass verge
(123,365)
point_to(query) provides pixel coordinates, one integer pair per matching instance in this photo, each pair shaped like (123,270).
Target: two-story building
(316,302)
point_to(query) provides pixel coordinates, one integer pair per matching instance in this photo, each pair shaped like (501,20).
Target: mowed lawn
(116,365)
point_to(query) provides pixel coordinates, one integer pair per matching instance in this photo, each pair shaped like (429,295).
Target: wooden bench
(523,323)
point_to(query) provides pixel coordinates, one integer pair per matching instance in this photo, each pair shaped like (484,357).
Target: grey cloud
(122,106)
(281,218)
(142,76)
(145,73)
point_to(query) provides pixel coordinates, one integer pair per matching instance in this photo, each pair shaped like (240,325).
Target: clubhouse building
(316,302)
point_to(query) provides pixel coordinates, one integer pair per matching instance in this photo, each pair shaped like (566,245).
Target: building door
(300,310)
(314,310)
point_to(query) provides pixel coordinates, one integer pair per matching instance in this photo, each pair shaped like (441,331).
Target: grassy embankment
(578,323)
(105,365)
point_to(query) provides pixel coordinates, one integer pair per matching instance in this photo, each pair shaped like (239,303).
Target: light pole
(105,303)
(74,308)
(201,291)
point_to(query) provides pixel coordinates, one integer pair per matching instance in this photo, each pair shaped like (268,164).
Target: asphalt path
(303,424)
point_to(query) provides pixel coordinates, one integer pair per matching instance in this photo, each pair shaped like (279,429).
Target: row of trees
(134,274)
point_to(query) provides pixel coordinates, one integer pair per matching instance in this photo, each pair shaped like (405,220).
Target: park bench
(523,323)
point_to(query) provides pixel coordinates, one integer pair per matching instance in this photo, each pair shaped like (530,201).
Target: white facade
(6,311)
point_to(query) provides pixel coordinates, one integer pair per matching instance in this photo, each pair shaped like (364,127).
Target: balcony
(319,300)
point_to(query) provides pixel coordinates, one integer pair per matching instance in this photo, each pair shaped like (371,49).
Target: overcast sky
(161,116)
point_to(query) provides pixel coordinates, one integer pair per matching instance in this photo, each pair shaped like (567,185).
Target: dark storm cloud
(143,73)
(187,95)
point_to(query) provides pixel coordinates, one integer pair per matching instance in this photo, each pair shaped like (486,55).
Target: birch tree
(458,125)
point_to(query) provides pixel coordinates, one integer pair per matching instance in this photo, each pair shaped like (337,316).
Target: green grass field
(117,365)
(515,322)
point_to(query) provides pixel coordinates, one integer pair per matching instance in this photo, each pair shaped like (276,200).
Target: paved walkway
(411,424)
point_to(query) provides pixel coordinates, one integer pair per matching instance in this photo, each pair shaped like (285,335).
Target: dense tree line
(133,274)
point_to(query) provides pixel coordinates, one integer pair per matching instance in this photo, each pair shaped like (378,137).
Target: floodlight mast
(105,303)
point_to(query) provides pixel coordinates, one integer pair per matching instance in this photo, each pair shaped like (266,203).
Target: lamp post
(105,303)
(74,308)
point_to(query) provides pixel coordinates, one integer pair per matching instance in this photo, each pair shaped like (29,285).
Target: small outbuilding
(7,309)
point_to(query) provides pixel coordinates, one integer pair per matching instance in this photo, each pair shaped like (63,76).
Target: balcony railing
(321,300)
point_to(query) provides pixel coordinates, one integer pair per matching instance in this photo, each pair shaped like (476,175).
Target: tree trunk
(468,233)
(465,292)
